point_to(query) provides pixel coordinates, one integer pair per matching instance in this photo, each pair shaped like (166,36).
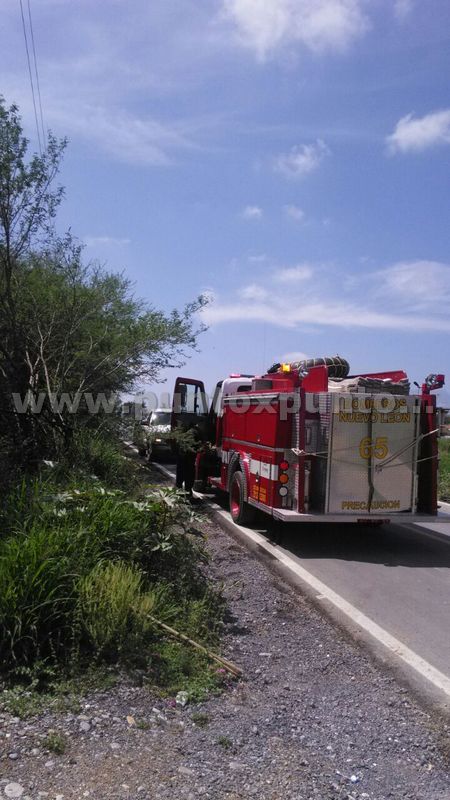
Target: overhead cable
(30,76)
(36,74)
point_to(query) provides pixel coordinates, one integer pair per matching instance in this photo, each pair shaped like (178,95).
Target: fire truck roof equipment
(338,367)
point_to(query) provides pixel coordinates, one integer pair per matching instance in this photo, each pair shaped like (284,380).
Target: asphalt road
(397,575)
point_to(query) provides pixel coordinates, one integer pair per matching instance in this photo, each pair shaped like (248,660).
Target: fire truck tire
(240,511)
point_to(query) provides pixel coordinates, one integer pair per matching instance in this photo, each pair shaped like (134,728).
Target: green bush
(83,567)
(150,532)
(55,742)
(98,453)
(80,570)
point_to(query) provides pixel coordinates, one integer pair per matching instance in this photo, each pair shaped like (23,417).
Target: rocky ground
(313,717)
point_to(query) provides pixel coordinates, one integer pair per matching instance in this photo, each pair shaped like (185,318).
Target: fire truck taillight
(283,478)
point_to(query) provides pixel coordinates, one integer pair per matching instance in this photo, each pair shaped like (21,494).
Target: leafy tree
(28,203)
(65,327)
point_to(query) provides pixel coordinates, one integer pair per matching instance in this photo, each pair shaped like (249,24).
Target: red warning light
(284,465)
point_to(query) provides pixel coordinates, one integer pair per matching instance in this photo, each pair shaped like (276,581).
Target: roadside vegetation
(91,557)
(86,572)
(444,469)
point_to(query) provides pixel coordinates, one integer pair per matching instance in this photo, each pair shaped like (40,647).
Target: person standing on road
(187,453)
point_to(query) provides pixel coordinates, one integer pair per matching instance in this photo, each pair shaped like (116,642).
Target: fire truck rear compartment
(350,459)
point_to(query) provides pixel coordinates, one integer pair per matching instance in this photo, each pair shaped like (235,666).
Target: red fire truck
(309,442)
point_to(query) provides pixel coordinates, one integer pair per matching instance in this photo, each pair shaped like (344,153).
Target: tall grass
(115,610)
(21,505)
(444,469)
(109,598)
(87,553)
(81,569)
(98,453)
(39,571)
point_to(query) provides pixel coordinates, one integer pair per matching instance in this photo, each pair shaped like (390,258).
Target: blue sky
(289,157)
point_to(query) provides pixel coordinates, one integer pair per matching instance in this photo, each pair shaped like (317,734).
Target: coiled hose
(338,367)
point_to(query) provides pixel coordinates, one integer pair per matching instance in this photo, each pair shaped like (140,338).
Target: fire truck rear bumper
(402,517)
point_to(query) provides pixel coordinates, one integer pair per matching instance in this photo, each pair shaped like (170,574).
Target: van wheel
(240,511)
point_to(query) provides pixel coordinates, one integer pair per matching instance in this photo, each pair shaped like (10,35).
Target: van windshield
(161,418)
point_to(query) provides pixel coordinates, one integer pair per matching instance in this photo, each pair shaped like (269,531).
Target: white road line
(323,592)
(412,659)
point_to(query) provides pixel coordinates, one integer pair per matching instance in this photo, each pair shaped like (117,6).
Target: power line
(36,73)
(31,76)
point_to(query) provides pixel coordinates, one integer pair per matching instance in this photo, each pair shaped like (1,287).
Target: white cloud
(415,134)
(402,8)
(265,26)
(289,358)
(258,258)
(294,212)
(417,284)
(103,84)
(253,292)
(302,272)
(252,212)
(322,313)
(108,241)
(127,137)
(301,159)
(334,301)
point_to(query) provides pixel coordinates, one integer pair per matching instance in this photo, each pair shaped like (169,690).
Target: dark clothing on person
(186,462)
(185,471)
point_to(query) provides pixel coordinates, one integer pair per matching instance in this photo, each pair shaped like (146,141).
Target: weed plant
(82,569)
(98,453)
